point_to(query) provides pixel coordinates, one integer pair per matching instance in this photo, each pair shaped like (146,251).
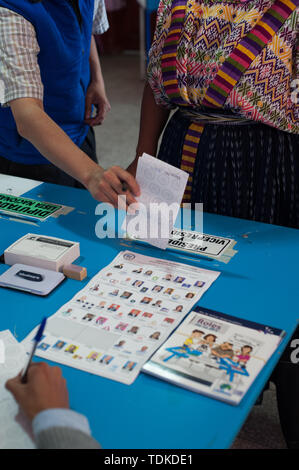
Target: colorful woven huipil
(240,56)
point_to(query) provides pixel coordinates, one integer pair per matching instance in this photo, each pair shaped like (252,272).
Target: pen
(36,340)
(124,186)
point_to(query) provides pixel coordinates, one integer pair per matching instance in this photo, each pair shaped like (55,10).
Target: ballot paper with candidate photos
(215,354)
(162,188)
(112,326)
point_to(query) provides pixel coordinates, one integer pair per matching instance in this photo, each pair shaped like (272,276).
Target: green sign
(27,207)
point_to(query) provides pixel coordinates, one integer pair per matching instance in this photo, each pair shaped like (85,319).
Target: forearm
(96,98)
(152,121)
(95,65)
(51,141)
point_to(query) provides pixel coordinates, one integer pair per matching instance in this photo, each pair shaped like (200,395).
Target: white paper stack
(15,430)
(14,185)
(42,251)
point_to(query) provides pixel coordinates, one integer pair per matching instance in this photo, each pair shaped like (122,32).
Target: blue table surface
(260,283)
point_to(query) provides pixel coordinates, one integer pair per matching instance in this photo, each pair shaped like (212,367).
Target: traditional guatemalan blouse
(268,91)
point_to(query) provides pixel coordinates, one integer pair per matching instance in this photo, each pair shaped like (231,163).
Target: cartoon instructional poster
(112,326)
(215,354)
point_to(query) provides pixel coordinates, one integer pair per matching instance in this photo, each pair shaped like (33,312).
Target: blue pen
(36,340)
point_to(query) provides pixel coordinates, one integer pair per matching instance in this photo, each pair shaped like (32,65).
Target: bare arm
(53,143)
(19,54)
(96,93)
(152,121)
(95,65)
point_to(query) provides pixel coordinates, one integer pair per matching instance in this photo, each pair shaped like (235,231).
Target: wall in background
(123,34)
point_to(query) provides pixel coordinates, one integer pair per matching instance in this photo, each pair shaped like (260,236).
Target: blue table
(260,283)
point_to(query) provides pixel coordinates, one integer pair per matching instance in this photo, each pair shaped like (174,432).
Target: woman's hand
(96,96)
(107,185)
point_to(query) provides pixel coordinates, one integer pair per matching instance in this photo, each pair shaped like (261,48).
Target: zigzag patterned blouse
(267,92)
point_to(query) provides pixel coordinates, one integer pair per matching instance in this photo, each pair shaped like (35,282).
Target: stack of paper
(14,185)
(15,432)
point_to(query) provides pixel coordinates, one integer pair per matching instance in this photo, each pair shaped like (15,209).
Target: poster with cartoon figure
(215,354)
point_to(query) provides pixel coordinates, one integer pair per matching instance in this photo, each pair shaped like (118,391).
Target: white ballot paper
(113,326)
(162,189)
(15,429)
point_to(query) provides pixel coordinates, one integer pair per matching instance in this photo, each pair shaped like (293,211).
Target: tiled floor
(117,137)
(116,142)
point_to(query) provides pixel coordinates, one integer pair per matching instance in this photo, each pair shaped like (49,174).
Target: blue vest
(65,72)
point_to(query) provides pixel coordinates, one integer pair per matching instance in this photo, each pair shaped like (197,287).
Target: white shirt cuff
(61,417)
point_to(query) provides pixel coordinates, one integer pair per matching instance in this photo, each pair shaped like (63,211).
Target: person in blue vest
(52,80)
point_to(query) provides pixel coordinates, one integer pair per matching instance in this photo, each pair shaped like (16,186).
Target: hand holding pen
(107,186)
(45,389)
(39,387)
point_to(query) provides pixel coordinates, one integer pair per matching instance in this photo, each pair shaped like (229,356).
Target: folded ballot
(162,189)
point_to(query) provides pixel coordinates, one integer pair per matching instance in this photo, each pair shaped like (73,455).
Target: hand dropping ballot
(162,189)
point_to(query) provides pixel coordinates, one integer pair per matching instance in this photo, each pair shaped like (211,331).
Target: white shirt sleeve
(100,20)
(19,69)
(61,417)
